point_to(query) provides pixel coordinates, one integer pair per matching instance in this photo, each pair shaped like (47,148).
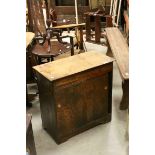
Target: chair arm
(40,39)
(71,39)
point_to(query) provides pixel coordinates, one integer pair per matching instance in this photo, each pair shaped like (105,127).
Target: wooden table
(30,145)
(97,25)
(79,26)
(118,47)
(57,48)
(75,93)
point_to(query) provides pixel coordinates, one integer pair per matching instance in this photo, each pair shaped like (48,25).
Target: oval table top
(57,48)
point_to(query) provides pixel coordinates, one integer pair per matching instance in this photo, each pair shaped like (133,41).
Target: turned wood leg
(81,38)
(88,28)
(125,98)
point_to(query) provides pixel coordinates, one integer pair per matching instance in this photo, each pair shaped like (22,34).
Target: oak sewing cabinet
(75,93)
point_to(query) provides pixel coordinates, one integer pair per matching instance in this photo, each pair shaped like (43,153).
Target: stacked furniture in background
(96,21)
(75,93)
(45,48)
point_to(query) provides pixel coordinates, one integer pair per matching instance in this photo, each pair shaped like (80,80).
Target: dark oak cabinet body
(75,96)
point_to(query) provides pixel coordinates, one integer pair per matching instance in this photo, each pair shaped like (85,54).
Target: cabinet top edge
(71,65)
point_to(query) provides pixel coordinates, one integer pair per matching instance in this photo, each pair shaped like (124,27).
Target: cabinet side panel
(110,81)
(47,105)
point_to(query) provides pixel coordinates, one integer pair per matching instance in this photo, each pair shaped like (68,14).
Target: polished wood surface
(72,65)
(75,94)
(57,48)
(117,46)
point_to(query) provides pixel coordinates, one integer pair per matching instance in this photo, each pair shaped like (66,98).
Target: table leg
(81,38)
(72,44)
(125,98)
(88,28)
(52,58)
(97,29)
(30,144)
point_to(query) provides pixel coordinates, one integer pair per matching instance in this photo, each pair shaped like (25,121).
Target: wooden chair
(50,17)
(71,31)
(45,48)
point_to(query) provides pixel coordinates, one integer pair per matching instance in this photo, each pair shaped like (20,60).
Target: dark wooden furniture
(45,48)
(96,24)
(66,9)
(55,21)
(30,145)
(57,48)
(29,63)
(29,45)
(75,93)
(120,50)
(76,26)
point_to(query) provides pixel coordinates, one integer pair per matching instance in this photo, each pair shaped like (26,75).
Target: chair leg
(72,46)
(125,98)
(52,58)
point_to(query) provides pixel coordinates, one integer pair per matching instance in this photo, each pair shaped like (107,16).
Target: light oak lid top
(74,64)
(29,37)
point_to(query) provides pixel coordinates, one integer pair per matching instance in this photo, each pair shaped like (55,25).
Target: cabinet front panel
(81,103)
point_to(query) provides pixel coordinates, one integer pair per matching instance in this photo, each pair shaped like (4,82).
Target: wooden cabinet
(75,93)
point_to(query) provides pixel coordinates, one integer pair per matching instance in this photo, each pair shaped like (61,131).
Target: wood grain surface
(71,65)
(119,49)
(80,97)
